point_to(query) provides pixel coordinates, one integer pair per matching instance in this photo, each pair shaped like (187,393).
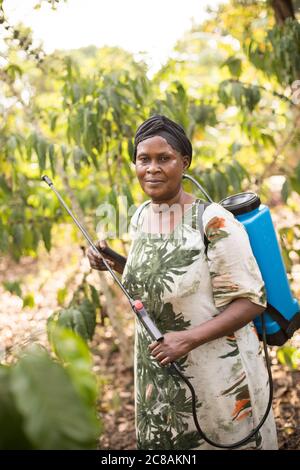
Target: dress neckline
(161,234)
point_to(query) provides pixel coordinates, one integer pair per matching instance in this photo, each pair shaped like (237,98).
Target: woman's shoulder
(216,214)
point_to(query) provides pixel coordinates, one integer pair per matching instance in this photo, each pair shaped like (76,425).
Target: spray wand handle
(145,319)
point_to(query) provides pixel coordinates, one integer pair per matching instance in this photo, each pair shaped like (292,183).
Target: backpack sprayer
(143,316)
(282,314)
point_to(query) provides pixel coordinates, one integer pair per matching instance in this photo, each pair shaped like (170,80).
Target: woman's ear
(186,162)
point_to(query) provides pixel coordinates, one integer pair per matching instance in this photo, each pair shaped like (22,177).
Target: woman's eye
(164,158)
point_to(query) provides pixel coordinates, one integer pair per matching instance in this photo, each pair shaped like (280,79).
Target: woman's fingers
(165,362)
(101,244)
(162,359)
(155,351)
(153,345)
(158,355)
(96,260)
(101,266)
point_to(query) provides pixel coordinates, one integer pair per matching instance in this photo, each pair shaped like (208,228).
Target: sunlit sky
(151,26)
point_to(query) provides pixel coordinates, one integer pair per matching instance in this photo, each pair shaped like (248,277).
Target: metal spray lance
(136,305)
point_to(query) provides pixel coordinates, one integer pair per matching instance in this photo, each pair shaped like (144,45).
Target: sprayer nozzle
(138,304)
(47,180)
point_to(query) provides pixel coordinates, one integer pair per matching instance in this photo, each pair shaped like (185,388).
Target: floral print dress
(182,287)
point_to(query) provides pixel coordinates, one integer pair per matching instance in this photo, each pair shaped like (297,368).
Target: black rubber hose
(176,368)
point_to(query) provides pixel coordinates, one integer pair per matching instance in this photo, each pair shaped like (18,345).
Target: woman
(203,303)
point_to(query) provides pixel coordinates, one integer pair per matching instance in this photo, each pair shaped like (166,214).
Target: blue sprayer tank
(283,312)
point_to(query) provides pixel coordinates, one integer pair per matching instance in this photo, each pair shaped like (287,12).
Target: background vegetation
(233,82)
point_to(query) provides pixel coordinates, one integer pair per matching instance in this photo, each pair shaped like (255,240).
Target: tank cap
(241,203)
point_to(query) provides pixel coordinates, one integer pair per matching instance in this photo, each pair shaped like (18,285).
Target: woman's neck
(180,198)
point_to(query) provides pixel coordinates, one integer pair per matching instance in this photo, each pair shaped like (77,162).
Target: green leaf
(28,301)
(235,147)
(286,258)
(13,287)
(286,190)
(41,150)
(234,65)
(12,435)
(55,416)
(295,180)
(51,159)
(46,234)
(77,158)
(241,170)
(4,186)
(88,312)
(13,71)
(208,183)
(237,92)
(289,356)
(130,148)
(127,192)
(95,297)
(18,233)
(81,319)
(4,240)
(61,295)
(252,95)
(233,177)
(53,122)
(73,351)
(221,184)
(268,140)
(65,155)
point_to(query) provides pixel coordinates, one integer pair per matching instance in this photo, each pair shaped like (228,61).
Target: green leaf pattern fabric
(181,288)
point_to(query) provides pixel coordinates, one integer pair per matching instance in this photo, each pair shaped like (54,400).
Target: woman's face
(159,168)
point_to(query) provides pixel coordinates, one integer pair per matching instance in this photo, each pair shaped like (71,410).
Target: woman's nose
(153,167)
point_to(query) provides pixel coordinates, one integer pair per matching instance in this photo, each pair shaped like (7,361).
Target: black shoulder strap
(139,210)
(202,206)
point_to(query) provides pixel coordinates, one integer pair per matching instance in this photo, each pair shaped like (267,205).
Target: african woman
(203,303)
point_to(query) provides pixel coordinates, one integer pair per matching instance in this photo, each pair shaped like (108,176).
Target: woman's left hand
(173,346)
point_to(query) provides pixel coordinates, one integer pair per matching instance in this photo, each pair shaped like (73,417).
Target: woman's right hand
(96,260)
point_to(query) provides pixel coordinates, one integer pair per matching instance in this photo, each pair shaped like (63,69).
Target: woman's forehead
(155,144)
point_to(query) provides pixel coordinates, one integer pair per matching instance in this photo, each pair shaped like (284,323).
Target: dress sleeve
(233,268)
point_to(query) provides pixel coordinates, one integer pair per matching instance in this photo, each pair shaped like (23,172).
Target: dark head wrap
(166,128)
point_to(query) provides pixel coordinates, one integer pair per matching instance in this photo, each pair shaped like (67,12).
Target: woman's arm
(177,344)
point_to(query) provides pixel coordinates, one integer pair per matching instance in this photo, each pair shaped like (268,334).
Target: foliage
(289,356)
(80,119)
(45,405)
(289,237)
(50,402)
(230,83)
(80,315)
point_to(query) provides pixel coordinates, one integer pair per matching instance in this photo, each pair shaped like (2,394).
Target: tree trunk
(283,9)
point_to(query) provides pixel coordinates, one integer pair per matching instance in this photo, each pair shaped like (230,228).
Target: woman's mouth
(154,182)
